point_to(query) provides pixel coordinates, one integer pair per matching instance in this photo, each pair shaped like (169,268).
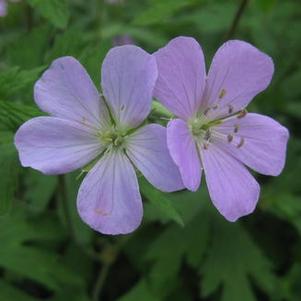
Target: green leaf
(67,43)
(139,292)
(21,252)
(56,11)
(8,171)
(265,5)
(169,249)
(159,11)
(166,255)
(81,233)
(213,17)
(12,114)
(28,49)
(160,201)
(16,228)
(232,258)
(158,108)
(40,189)
(70,294)
(11,293)
(13,80)
(286,206)
(39,265)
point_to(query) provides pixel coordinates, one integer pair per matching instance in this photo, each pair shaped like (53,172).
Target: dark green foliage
(184,250)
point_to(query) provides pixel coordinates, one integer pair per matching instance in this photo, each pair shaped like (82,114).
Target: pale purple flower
(214,133)
(3,7)
(83,127)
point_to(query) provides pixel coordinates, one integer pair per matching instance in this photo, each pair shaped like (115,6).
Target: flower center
(203,131)
(200,127)
(113,137)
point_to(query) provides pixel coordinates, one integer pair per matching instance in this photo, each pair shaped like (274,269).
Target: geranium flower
(3,7)
(214,132)
(85,126)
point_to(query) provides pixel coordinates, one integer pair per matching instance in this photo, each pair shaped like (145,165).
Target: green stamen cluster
(199,126)
(113,137)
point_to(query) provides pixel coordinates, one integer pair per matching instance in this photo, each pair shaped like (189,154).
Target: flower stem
(108,256)
(100,281)
(236,19)
(64,198)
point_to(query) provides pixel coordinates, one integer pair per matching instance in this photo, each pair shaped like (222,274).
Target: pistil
(113,137)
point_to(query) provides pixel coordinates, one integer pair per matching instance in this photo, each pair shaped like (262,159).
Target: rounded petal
(147,149)
(233,190)
(65,90)
(182,74)
(260,142)
(238,72)
(55,146)
(108,199)
(128,79)
(3,8)
(184,152)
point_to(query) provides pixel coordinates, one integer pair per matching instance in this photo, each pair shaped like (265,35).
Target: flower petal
(128,79)
(3,8)
(147,149)
(233,190)
(108,199)
(260,142)
(65,90)
(238,72)
(55,146)
(184,152)
(182,73)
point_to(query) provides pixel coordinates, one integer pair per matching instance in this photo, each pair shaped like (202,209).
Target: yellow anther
(236,128)
(230,109)
(242,114)
(222,94)
(229,138)
(241,142)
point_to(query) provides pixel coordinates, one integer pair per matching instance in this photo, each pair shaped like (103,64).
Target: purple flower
(3,7)
(214,133)
(85,126)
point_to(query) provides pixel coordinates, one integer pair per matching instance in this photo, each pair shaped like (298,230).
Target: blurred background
(184,250)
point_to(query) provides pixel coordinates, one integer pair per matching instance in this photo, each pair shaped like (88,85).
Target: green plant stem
(100,281)
(109,255)
(29,17)
(236,19)
(62,195)
(64,198)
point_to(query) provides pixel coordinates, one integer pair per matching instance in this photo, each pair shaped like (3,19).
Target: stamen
(236,128)
(84,120)
(112,138)
(206,145)
(215,107)
(207,135)
(222,94)
(242,114)
(230,109)
(230,138)
(241,142)
(206,111)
